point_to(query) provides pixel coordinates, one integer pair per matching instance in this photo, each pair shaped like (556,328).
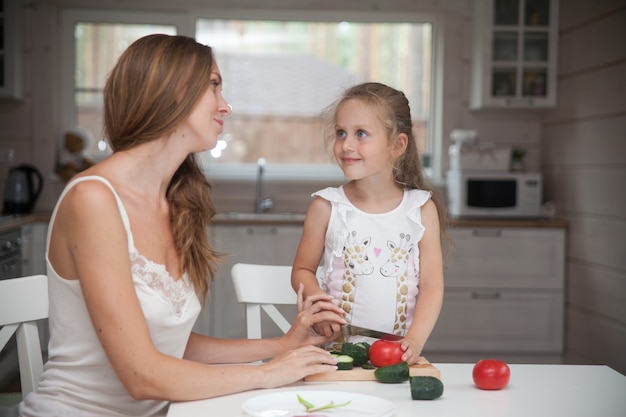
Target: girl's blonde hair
(153,87)
(394,113)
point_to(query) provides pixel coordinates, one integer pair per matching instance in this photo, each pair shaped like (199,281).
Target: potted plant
(517,159)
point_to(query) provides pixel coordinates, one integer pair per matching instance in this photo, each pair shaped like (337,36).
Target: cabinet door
(222,315)
(514,53)
(499,321)
(486,257)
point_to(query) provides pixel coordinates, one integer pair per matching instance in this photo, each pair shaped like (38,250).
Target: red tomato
(491,374)
(385,353)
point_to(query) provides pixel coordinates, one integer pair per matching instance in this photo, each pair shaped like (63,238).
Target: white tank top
(371,261)
(78,379)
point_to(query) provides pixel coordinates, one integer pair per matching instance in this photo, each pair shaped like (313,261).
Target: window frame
(185,24)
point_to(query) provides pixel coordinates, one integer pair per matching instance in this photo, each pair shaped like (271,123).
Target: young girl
(379,234)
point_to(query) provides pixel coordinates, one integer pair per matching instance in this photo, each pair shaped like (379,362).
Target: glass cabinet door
(520,52)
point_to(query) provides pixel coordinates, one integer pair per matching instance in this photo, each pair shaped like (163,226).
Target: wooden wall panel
(590,142)
(597,338)
(591,94)
(588,189)
(593,41)
(597,289)
(584,143)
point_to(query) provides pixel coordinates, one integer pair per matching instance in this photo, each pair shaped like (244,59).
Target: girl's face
(362,147)
(206,121)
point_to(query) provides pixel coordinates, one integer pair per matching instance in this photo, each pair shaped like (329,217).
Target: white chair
(260,287)
(23,301)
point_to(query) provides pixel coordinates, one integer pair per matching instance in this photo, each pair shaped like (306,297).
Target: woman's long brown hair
(151,90)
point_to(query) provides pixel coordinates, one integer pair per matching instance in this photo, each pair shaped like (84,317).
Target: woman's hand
(296,364)
(313,311)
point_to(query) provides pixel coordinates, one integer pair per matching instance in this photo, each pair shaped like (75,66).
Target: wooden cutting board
(421,368)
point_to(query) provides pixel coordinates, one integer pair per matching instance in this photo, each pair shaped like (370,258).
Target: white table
(533,391)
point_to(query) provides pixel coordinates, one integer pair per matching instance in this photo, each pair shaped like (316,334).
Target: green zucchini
(393,374)
(425,387)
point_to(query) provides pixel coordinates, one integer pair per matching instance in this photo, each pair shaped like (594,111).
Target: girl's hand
(313,311)
(411,353)
(328,329)
(296,364)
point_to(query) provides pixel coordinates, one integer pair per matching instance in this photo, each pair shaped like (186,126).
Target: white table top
(533,391)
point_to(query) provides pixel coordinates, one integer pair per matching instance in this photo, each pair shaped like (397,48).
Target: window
(97,47)
(93,41)
(279,73)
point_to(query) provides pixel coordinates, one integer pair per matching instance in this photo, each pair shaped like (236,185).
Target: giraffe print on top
(356,263)
(371,261)
(396,266)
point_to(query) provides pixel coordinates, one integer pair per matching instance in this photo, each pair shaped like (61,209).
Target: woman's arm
(311,311)
(430,298)
(90,244)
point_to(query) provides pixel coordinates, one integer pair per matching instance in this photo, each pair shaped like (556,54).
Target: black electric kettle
(22,189)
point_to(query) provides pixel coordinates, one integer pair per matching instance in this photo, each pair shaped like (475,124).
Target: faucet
(261,204)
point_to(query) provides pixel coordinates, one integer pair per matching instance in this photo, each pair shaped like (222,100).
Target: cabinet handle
(495,295)
(262,230)
(487,232)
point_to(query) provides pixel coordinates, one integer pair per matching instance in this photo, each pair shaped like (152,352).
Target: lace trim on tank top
(156,277)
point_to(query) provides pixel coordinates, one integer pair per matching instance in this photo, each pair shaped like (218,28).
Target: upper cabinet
(10,49)
(514,54)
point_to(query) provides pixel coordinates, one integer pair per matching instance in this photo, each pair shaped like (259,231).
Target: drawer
(487,257)
(499,321)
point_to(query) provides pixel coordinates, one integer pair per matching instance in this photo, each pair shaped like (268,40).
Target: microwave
(493,194)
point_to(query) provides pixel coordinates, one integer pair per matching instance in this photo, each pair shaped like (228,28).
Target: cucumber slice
(344,362)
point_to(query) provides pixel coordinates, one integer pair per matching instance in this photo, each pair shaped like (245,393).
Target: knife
(348,330)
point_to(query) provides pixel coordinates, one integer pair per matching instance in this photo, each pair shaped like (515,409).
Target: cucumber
(344,362)
(361,353)
(393,374)
(425,387)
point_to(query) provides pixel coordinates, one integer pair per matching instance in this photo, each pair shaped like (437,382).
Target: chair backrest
(260,287)
(23,301)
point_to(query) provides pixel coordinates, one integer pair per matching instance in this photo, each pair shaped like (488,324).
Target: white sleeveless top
(78,379)
(375,255)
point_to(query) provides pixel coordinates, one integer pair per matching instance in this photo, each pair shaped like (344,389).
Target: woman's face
(206,121)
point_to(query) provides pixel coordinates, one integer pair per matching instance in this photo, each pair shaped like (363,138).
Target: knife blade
(348,330)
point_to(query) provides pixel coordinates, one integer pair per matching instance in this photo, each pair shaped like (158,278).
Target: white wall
(584,162)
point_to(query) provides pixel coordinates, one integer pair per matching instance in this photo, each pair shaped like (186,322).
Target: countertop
(16,221)
(534,390)
(10,222)
(297,218)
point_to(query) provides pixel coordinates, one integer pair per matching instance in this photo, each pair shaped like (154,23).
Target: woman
(128,256)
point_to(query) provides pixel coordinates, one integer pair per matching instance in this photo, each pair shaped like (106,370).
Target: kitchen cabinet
(10,49)
(514,54)
(504,292)
(271,244)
